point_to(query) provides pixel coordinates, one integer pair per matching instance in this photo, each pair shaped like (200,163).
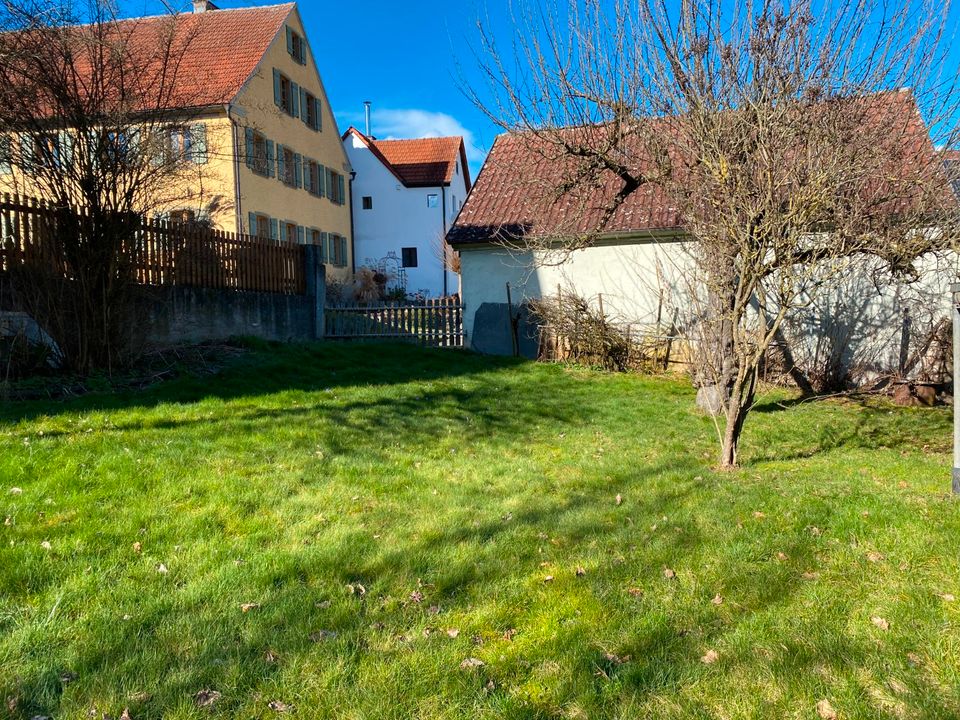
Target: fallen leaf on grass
(323,605)
(280,707)
(162,569)
(416,596)
(711,657)
(67,677)
(669,574)
(548,578)
(137,548)
(635,591)
(880,622)
(433,610)
(825,710)
(947,597)
(874,556)
(581,572)
(717,599)
(46,545)
(782,556)
(16,491)
(206,698)
(509,634)
(247,607)
(616,659)
(471,663)
(914,659)
(356,589)
(125,715)
(453,632)
(810,575)
(271,657)
(619,500)
(759,515)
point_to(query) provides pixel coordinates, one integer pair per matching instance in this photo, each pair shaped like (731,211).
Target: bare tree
(776,134)
(96,114)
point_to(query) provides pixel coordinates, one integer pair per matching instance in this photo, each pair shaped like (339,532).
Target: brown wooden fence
(158,252)
(437,322)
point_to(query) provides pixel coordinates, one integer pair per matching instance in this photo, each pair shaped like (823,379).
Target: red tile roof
(212,53)
(517,193)
(422,162)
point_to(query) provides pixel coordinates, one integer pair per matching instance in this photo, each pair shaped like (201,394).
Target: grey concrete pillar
(955,289)
(315,273)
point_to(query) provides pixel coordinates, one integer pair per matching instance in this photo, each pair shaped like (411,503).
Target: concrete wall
(401,218)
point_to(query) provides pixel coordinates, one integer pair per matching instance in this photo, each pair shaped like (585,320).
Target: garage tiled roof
(520,193)
(422,162)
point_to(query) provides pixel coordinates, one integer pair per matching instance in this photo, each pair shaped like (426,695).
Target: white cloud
(400,124)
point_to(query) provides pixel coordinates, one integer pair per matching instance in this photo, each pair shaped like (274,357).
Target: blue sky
(405,57)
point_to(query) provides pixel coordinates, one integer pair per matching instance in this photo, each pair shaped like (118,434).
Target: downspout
(353,232)
(443,241)
(236,169)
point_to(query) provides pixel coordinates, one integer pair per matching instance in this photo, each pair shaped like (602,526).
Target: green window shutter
(6,152)
(317,115)
(289,39)
(297,170)
(343,196)
(343,251)
(65,143)
(26,152)
(280,162)
(307,174)
(304,105)
(300,234)
(252,227)
(248,135)
(329,183)
(198,144)
(321,181)
(324,247)
(277,95)
(271,168)
(294,99)
(274,229)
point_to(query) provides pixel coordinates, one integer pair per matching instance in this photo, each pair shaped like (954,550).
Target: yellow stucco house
(259,132)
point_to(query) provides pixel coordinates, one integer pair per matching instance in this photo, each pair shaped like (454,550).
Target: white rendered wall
(859,320)
(402,218)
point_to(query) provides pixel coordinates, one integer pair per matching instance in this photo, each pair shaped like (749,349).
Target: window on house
(433,200)
(260,164)
(178,143)
(312,177)
(339,250)
(286,94)
(262,227)
(182,217)
(289,168)
(296,46)
(311,111)
(367,202)
(315,237)
(335,188)
(6,154)
(46,150)
(290,232)
(409,256)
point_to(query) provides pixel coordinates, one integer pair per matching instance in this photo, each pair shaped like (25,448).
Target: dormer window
(296,46)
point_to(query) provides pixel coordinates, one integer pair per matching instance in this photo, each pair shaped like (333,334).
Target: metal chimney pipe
(366,111)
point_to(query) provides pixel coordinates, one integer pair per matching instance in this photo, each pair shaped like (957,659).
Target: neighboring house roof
(421,162)
(212,54)
(520,191)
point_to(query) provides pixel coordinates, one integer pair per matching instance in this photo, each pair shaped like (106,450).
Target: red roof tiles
(422,162)
(521,193)
(193,59)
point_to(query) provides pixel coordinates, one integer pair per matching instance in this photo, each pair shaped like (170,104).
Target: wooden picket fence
(433,322)
(158,252)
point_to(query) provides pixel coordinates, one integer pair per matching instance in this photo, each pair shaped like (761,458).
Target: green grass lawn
(388,532)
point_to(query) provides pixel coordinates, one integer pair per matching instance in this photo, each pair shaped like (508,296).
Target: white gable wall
(402,218)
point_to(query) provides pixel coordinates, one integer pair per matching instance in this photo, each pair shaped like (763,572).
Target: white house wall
(858,322)
(401,218)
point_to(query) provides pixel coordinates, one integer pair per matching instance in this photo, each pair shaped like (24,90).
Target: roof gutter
(631,237)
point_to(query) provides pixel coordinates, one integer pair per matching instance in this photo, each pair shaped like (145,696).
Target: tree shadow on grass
(273,368)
